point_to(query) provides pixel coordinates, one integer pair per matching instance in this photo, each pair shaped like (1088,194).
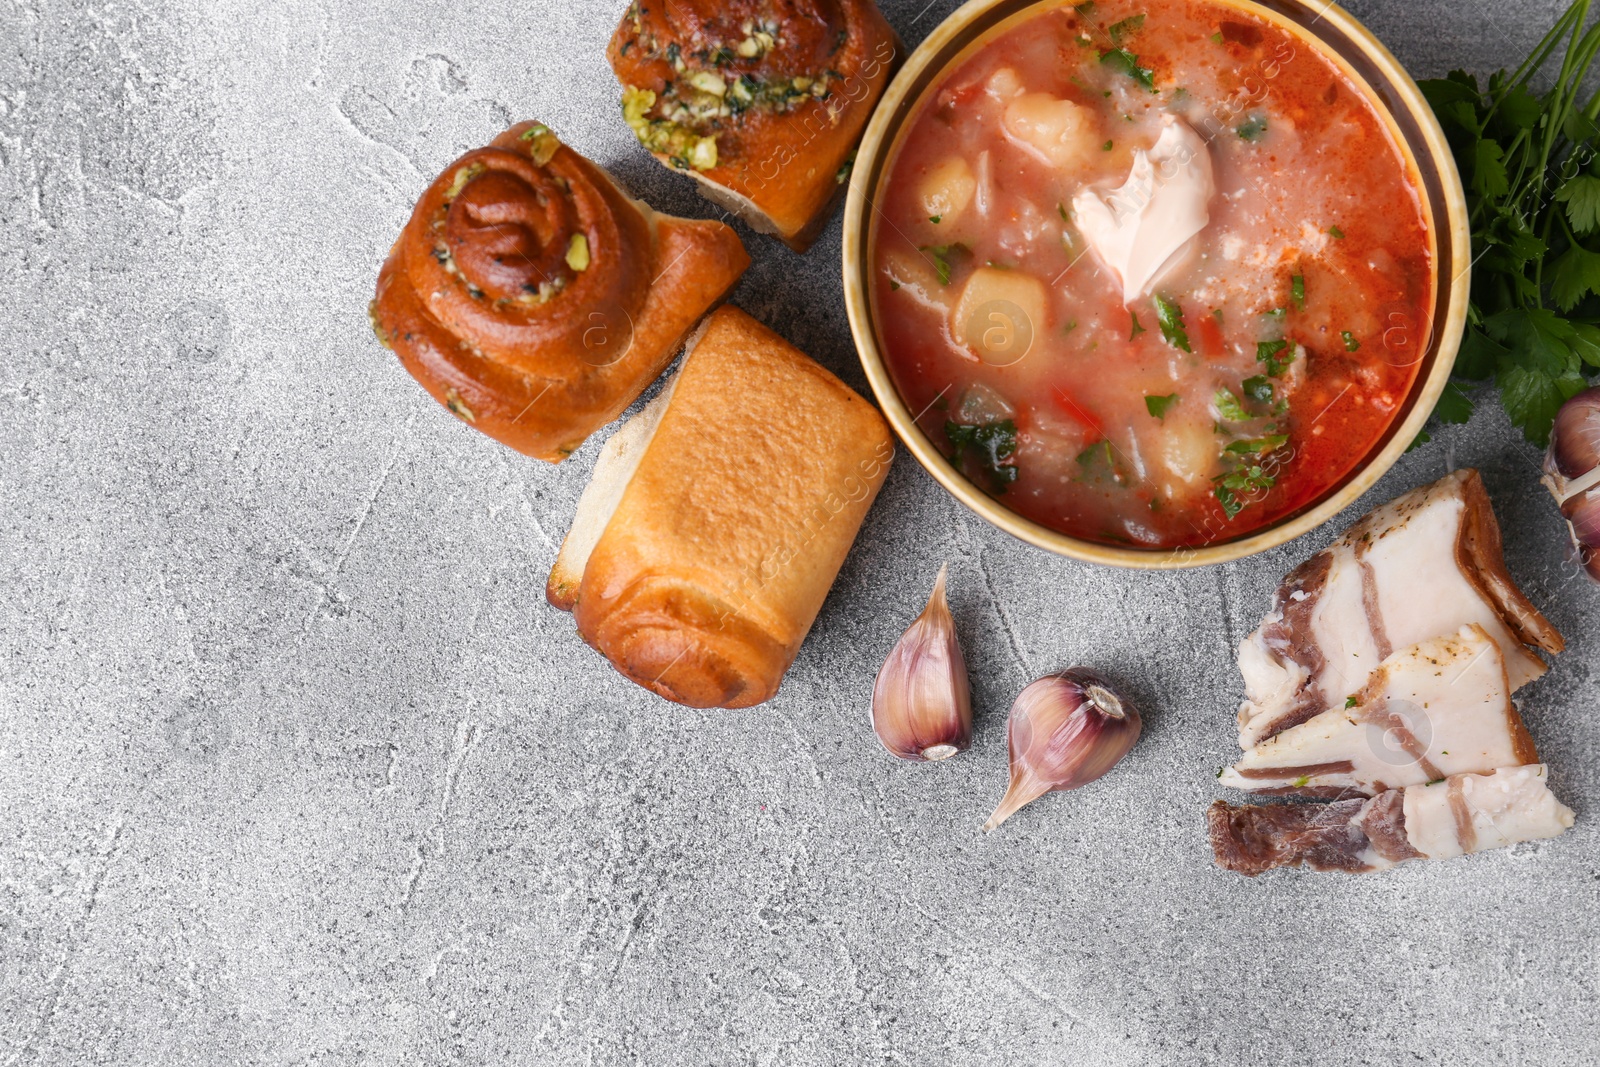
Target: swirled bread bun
(535,300)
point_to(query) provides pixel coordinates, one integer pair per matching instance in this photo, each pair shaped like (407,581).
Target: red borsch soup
(1153,274)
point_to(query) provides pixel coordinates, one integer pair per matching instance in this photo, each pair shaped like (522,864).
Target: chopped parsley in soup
(1153,274)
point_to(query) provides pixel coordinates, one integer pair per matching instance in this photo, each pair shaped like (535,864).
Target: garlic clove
(1582,513)
(1572,473)
(1064,731)
(921,702)
(1574,451)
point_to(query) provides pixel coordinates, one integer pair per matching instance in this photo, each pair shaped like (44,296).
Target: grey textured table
(296,766)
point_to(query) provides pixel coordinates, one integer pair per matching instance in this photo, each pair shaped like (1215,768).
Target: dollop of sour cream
(1150,225)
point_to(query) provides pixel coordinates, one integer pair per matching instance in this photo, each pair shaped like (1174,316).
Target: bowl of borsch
(1155,283)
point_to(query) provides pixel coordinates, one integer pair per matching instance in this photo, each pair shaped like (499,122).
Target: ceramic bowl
(1366,63)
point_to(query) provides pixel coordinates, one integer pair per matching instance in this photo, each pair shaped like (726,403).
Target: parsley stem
(1577,13)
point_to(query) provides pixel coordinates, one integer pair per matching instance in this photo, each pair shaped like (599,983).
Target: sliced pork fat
(1460,814)
(1437,708)
(1428,563)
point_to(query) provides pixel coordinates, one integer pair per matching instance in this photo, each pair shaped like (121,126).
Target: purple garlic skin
(1583,517)
(922,701)
(1572,473)
(1065,731)
(1575,438)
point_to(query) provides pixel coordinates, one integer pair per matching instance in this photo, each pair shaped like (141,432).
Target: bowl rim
(1452,281)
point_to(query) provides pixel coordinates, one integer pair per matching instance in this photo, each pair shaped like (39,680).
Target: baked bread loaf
(718,518)
(762,103)
(534,299)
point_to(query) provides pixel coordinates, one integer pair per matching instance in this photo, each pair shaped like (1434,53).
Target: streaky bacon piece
(1440,820)
(1428,563)
(1437,708)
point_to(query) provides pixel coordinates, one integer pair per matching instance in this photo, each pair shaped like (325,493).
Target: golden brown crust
(1482,558)
(482,302)
(781,144)
(736,521)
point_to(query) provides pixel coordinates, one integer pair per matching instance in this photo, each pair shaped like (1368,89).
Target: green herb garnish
(1533,198)
(1297,291)
(936,219)
(1107,146)
(1235,487)
(1350,702)
(1230,407)
(1258,388)
(991,445)
(1120,59)
(1258,446)
(944,256)
(1350,342)
(1336,233)
(1254,128)
(1158,405)
(1135,330)
(1126,28)
(1267,353)
(1100,459)
(1169,316)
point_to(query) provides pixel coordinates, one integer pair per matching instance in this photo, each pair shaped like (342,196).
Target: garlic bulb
(921,702)
(1572,471)
(1064,731)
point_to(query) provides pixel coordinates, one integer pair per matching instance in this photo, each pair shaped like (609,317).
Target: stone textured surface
(296,767)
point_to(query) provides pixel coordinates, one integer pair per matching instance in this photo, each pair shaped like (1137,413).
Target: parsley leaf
(1455,407)
(1135,330)
(1170,318)
(1258,388)
(1237,489)
(1158,405)
(1535,338)
(1267,353)
(1574,275)
(1581,194)
(1120,59)
(1126,28)
(1258,446)
(1533,198)
(1230,407)
(1099,461)
(991,445)
(1530,398)
(1350,342)
(1254,128)
(944,256)
(1489,177)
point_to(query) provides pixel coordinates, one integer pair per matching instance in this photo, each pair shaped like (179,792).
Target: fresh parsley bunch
(1532,176)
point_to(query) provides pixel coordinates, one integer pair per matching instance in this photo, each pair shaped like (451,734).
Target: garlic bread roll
(710,535)
(762,104)
(535,300)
